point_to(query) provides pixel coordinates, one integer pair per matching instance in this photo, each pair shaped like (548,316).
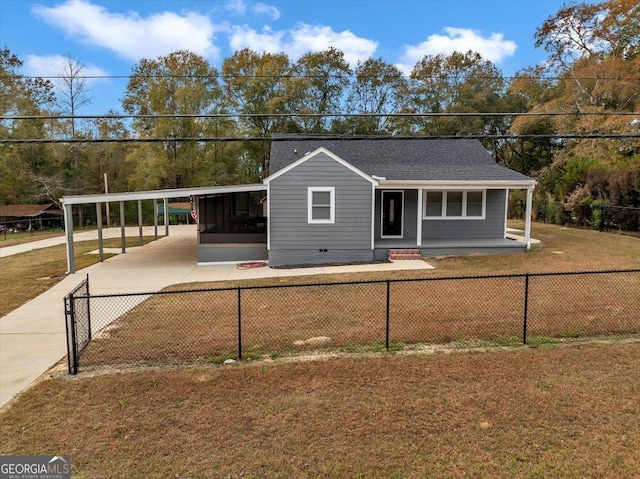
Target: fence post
(239,323)
(526,308)
(74,346)
(68,330)
(386,342)
(88,311)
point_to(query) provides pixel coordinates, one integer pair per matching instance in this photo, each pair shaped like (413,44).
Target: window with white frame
(454,204)
(321,204)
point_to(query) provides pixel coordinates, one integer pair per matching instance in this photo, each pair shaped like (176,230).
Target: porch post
(155,219)
(99,221)
(419,224)
(68,227)
(140,222)
(123,241)
(373,217)
(506,211)
(527,224)
(166,216)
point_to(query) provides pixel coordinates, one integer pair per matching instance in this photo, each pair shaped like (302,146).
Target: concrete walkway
(130,232)
(32,338)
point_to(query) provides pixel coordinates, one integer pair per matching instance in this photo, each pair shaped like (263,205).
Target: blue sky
(109,37)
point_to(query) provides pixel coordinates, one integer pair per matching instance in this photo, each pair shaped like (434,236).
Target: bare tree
(72,95)
(72,90)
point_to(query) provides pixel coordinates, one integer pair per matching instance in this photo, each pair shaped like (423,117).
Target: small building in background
(31,217)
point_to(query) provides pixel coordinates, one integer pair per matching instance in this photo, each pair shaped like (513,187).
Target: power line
(312,115)
(316,137)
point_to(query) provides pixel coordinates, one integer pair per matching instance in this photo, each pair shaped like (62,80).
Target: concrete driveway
(32,337)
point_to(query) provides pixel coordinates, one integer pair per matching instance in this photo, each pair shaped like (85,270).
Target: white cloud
(302,39)
(130,35)
(493,48)
(53,66)
(237,7)
(268,10)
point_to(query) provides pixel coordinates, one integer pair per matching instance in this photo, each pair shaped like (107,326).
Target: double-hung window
(454,204)
(321,204)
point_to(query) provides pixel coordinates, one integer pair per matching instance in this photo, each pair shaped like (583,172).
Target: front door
(392,206)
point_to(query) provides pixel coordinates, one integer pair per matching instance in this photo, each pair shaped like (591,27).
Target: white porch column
(123,239)
(68,228)
(506,211)
(155,219)
(419,224)
(140,223)
(99,221)
(527,218)
(166,216)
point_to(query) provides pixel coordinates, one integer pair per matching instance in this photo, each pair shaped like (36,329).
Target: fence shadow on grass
(212,325)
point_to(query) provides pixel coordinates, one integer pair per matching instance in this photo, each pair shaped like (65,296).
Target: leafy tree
(457,83)
(595,64)
(260,84)
(593,51)
(109,158)
(324,80)
(20,163)
(177,84)
(379,88)
(530,91)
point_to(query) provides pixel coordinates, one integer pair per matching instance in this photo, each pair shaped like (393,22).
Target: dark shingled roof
(410,159)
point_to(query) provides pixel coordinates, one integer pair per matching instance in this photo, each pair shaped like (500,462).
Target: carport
(163,196)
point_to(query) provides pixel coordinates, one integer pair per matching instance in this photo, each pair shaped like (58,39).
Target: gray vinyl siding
(237,252)
(491,227)
(410,215)
(305,257)
(294,241)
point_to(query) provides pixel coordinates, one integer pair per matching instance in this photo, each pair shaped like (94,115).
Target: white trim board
(457,185)
(160,194)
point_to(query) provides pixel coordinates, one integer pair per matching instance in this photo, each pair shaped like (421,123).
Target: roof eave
(451,184)
(160,194)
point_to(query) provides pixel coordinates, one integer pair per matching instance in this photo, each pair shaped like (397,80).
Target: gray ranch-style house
(346,200)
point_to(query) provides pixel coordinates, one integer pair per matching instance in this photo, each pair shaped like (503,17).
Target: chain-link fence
(77,312)
(212,325)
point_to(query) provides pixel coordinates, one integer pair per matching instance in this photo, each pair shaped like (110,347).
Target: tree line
(591,73)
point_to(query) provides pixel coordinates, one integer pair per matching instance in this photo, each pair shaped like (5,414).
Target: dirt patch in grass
(24,276)
(552,412)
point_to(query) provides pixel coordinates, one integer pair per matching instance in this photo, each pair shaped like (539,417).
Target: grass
(12,239)
(194,326)
(562,249)
(27,275)
(545,411)
(555,412)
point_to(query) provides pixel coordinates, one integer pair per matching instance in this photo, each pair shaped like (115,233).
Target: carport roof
(159,194)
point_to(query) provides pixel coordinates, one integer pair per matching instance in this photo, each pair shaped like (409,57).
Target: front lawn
(553,412)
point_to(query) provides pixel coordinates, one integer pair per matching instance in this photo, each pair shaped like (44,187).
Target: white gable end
(315,153)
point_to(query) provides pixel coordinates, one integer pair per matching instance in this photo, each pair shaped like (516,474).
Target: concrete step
(403,254)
